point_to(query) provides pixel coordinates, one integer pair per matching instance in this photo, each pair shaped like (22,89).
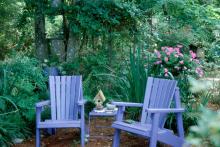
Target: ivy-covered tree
(9,35)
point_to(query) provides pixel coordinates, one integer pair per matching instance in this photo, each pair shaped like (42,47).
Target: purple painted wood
(43,103)
(68,96)
(38,119)
(72,94)
(168,110)
(180,128)
(65,98)
(58,97)
(77,95)
(159,94)
(154,130)
(128,104)
(147,99)
(59,124)
(52,97)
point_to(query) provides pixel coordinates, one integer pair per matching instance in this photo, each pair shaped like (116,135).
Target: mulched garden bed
(71,138)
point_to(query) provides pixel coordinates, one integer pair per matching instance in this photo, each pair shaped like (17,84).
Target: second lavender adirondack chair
(158,97)
(66,102)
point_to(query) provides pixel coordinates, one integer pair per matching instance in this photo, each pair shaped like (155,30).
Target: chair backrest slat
(63,96)
(68,97)
(72,95)
(167,87)
(77,95)
(58,97)
(159,94)
(53,97)
(65,92)
(147,99)
(155,91)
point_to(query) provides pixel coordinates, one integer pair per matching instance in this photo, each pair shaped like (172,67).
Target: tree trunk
(55,3)
(66,31)
(72,46)
(58,49)
(40,32)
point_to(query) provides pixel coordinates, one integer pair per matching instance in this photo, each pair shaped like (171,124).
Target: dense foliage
(114,44)
(22,84)
(206,133)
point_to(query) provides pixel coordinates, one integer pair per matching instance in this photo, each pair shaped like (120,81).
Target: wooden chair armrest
(82,102)
(171,110)
(127,104)
(42,104)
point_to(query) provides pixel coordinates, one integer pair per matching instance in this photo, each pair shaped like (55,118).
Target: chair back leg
(37,137)
(83,136)
(116,140)
(155,124)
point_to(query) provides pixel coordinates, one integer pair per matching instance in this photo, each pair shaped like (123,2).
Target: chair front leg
(82,126)
(119,117)
(120,113)
(38,119)
(154,130)
(116,139)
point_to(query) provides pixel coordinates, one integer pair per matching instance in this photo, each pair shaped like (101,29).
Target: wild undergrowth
(22,84)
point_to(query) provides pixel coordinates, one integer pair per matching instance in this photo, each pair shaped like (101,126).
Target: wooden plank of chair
(63,97)
(52,97)
(58,97)
(68,96)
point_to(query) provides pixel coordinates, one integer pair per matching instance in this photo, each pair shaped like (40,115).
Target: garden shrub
(22,84)
(178,63)
(12,127)
(207,132)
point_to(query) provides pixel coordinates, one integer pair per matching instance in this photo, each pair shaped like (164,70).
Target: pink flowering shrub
(173,60)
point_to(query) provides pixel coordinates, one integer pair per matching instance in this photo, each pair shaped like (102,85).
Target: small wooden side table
(94,114)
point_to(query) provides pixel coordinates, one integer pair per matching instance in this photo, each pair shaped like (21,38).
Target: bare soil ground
(71,137)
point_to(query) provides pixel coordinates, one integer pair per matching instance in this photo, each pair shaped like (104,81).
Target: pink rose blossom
(166,75)
(176,55)
(163,48)
(170,49)
(157,53)
(199,71)
(197,61)
(165,70)
(158,62)
(180,54)
(181,62)
(166,59)
(168,53)
(179,46)
(193,55)
(177,49)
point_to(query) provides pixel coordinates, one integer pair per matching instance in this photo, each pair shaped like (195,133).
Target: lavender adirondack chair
(66,102)
(158,97)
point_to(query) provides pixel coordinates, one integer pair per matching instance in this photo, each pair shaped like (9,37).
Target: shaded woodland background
(114,44)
